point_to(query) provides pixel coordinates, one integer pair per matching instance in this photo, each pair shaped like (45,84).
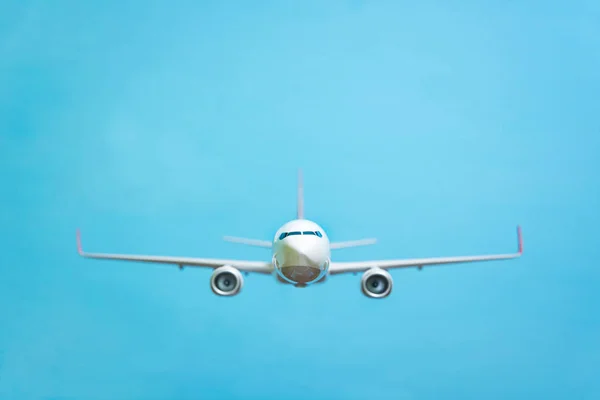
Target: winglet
(79,248)
(520,236)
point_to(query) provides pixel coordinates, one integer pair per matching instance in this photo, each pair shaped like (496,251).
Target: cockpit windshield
(295,233)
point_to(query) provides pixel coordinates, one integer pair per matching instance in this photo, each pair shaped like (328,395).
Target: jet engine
(376,283)
(226,281)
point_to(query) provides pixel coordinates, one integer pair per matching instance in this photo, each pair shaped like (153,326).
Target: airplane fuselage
(301,252)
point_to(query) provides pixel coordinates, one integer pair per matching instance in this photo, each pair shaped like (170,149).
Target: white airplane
(301,255)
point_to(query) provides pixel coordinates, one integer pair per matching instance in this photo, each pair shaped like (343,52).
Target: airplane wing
(243,265)
(359,266)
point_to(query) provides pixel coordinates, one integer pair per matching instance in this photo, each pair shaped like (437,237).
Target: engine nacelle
(226,281)
(376,283)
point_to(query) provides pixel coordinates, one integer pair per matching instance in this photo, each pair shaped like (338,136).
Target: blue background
(437,127)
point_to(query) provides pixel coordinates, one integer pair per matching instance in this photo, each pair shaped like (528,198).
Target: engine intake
(226,281)
(376,283)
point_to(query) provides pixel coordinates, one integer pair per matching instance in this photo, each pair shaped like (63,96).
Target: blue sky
(437,127)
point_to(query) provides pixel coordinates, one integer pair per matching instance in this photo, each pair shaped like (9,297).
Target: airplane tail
(299,215)
(265,243)
(300,193)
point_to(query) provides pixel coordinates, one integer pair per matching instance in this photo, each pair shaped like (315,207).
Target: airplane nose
(300,261)
(301,252)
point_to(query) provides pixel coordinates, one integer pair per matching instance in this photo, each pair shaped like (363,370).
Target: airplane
(301,256)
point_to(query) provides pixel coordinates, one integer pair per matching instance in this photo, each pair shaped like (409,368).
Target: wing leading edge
(242,265)
(359,266)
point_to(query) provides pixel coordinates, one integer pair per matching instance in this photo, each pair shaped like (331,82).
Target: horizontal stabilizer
(249,242)
(352,243)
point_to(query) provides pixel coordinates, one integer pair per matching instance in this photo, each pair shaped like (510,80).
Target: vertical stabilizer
(300,203)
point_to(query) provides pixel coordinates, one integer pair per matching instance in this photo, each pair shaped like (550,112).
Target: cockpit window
(296,233)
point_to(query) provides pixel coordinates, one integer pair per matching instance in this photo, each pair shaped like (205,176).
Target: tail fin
(300,201)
